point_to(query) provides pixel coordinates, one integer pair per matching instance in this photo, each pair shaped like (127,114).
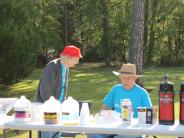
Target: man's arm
(104,107)
(146,100)
(47,82)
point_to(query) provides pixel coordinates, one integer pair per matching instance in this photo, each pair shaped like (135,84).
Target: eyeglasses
(126,77)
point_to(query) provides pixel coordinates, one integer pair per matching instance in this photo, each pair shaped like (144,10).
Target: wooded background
(144,32)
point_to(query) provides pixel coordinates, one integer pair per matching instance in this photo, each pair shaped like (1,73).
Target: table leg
(39,134)
(4,133)
(30,134)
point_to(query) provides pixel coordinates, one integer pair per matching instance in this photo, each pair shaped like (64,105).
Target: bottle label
(151,115)
(51,118)
(166,105)
(65,115)
(182,107)
(23,114)
(142,115)
(166,100)
(126,113)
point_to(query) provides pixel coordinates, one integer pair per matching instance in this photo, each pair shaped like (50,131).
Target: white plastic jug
(23,110)
(70,109)
(52,111)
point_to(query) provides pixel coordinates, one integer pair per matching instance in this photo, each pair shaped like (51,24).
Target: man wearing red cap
(54,79)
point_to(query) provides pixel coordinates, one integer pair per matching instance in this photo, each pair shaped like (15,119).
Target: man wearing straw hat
(128,89)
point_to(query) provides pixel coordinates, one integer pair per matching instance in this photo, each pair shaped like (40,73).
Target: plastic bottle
(151,115)
(127,112)
(70,109)
(37,112)
(23,110)
(84,114)
(141,115)
(166,102)
(52,111)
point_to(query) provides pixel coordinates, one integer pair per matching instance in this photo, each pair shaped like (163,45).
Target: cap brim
(118,73)
(115,73)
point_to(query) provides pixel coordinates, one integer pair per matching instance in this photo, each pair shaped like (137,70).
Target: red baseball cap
(72,51)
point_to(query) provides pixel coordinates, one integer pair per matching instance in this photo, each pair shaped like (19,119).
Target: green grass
(92,81)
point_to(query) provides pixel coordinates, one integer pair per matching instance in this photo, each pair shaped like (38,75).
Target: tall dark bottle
(166,102)
(182,104)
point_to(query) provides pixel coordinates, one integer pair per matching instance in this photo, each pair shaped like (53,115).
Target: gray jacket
(50,82)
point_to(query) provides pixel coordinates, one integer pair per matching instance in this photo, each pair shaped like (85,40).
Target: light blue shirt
(63,73)
(138,96)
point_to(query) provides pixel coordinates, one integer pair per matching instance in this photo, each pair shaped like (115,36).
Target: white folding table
(111,128)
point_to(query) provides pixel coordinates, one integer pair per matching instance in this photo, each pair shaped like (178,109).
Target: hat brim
(80,56)
(118,73)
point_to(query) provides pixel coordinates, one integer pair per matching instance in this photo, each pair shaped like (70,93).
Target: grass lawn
(92,81)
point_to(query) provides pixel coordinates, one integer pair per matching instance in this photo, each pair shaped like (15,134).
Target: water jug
(166,102)
(127,112)
(23,110)
(70,109)
(52,111)
(182,104)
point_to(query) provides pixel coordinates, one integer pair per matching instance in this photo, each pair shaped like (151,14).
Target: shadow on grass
(16,133)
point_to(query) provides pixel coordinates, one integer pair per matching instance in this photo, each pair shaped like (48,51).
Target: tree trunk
(65,24)
(105,37)
(146,13)
(152,33)
(137,37)
(178,42)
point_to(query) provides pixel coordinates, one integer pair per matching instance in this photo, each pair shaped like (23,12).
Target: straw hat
(127,70)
